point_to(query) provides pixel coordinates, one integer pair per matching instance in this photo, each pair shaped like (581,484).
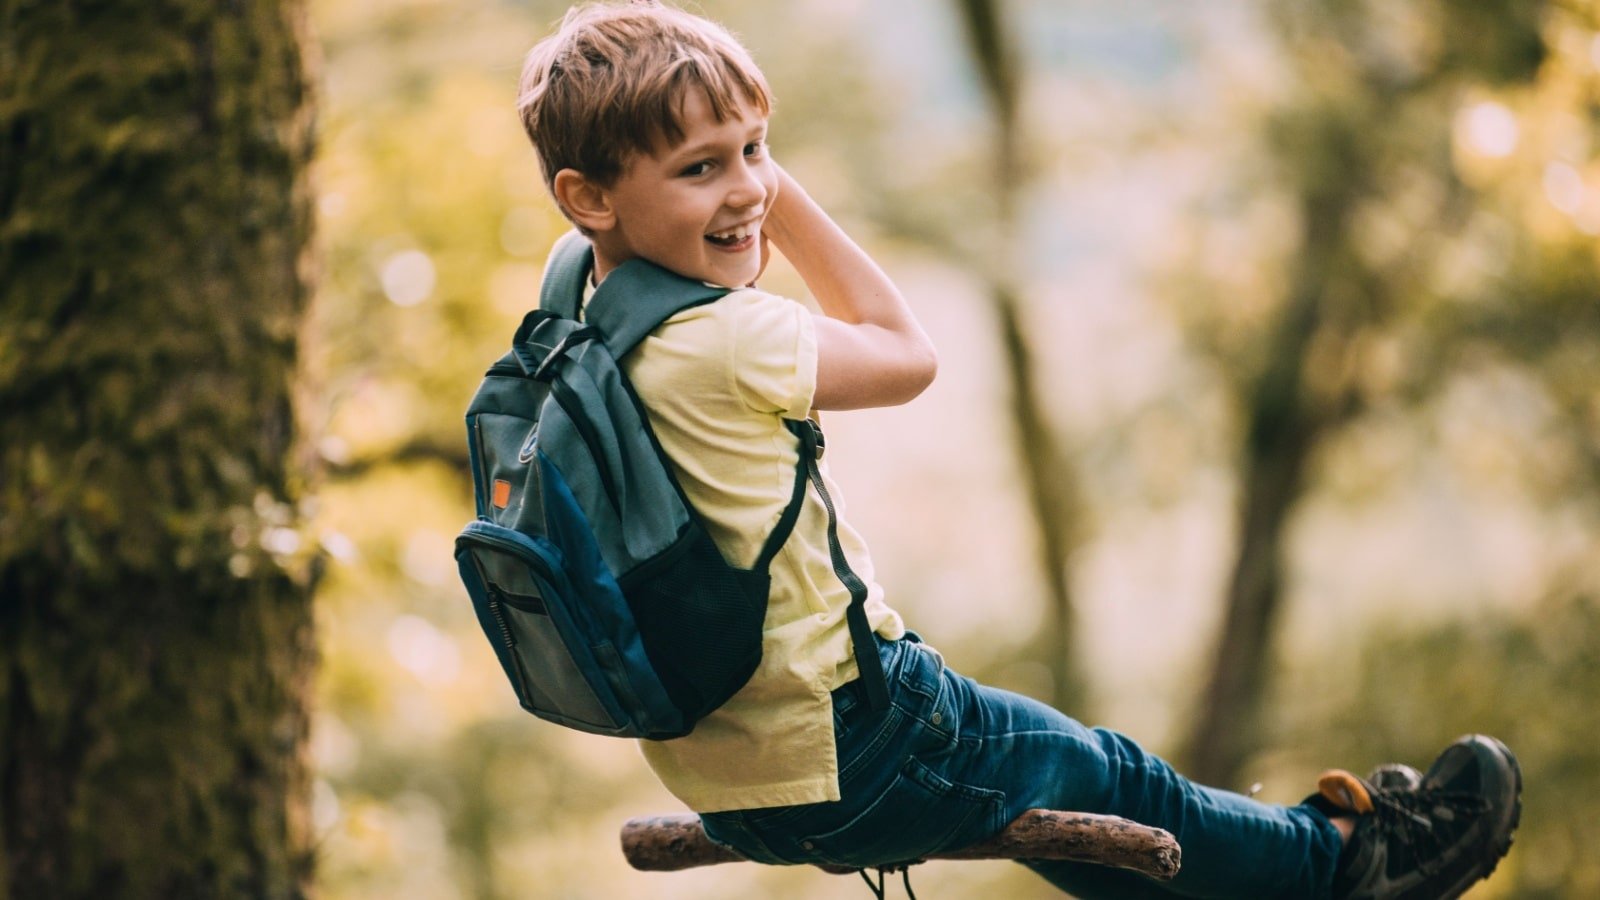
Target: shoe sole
(1513,819)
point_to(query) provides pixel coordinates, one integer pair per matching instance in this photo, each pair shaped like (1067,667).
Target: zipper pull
(497,609)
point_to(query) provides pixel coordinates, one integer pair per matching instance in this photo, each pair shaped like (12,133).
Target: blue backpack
(607,603)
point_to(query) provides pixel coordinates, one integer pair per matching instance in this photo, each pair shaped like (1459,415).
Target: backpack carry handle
(546,369)
(521,348)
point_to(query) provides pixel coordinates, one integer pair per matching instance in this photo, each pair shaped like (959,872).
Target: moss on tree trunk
(155,622)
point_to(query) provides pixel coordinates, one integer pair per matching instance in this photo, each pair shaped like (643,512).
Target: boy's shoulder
(744,314)
(756,347)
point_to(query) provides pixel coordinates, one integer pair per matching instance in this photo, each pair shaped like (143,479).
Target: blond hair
(611,82)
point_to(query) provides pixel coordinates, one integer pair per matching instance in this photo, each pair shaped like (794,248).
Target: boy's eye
(694,169)
(754,148)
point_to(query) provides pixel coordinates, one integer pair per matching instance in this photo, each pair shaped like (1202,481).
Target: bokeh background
(1267,428)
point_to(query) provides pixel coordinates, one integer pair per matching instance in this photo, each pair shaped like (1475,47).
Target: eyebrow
(693,151)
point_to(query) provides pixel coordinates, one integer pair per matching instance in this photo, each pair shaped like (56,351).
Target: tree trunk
(1286,418)
(1050,479)
(1283,432)
(1053,496)
(155,619)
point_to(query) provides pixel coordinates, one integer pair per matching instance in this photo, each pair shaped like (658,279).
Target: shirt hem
(814,790)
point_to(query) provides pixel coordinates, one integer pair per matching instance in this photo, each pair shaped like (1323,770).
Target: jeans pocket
(928,696)
(919,813)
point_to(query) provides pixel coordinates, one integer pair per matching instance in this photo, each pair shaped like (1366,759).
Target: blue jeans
(952,762)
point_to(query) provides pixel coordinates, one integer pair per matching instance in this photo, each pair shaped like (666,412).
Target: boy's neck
(605,259)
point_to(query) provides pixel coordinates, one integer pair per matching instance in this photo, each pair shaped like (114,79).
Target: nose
(748,188)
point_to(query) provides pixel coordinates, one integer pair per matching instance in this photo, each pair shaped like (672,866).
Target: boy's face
(695,208)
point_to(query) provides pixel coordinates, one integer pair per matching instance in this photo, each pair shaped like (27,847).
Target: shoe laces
(1412,817)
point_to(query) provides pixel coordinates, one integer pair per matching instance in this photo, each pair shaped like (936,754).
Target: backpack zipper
(510,638)
(480,461)
(496,607)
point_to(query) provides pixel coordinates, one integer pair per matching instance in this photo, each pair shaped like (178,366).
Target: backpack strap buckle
(818,441)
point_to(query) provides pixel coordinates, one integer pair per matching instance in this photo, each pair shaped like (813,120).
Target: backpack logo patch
(525,455)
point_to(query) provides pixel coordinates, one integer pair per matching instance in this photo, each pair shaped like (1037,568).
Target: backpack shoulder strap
(634,299)
(565,273)
(870,667)
(637,296)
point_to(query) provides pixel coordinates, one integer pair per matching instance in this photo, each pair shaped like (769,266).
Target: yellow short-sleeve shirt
(718,381)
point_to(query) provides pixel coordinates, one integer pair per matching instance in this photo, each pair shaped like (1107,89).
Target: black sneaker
(1427,839)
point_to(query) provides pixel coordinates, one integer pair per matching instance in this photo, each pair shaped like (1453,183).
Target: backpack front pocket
(523,604)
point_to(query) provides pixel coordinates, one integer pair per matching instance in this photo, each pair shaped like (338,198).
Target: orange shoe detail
(1345,791)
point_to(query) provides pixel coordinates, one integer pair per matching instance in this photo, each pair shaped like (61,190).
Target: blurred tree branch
(420,448)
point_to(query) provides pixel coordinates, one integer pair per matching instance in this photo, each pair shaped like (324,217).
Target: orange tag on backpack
(502,493)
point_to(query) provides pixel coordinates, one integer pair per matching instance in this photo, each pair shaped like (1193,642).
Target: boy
(651,126)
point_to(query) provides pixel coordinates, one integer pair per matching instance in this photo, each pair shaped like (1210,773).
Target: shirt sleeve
(774,354)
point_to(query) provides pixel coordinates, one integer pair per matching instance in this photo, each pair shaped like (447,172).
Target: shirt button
(808,845)
(936,718)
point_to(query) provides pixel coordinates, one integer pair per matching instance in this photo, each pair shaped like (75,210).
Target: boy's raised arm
(870,349)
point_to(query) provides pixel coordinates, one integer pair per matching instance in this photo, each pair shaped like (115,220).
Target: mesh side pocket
(700,620)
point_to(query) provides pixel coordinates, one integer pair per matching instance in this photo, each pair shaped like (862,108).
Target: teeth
(737,234)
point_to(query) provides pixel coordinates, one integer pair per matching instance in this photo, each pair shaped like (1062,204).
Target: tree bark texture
(155,619)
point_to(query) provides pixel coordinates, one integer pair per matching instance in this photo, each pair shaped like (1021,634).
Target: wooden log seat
(672,842)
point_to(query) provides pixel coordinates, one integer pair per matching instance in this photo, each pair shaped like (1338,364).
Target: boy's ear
(584,201)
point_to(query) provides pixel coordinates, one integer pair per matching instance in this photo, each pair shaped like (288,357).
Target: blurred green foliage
(1450,532)
(1528,677)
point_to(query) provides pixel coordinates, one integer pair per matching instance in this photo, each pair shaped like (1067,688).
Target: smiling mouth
(735,238)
